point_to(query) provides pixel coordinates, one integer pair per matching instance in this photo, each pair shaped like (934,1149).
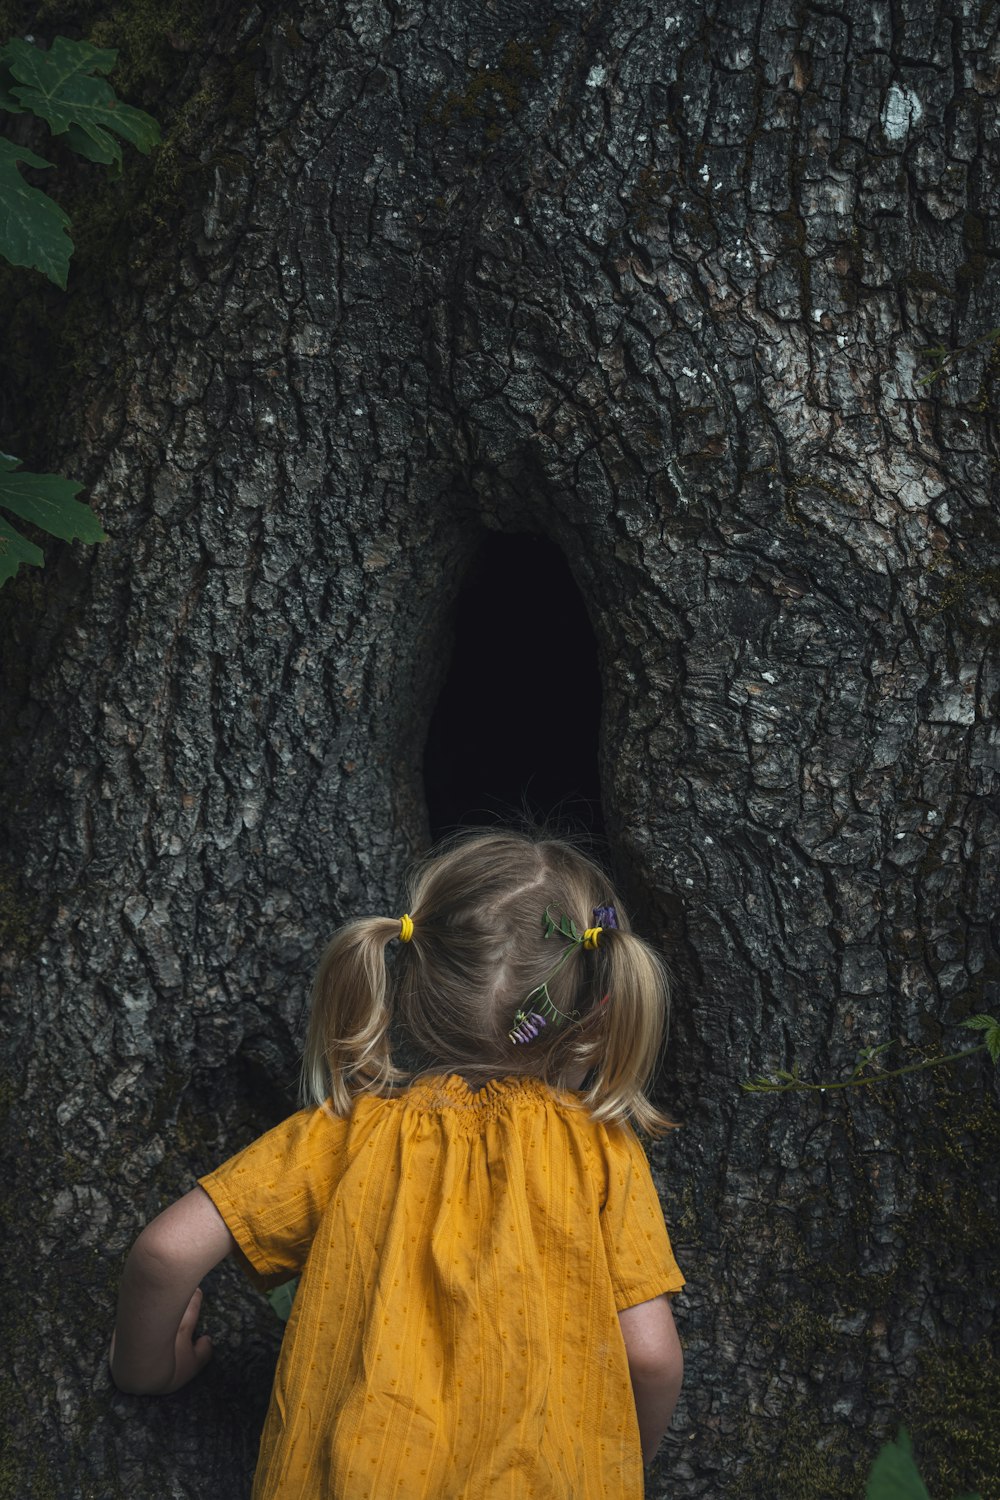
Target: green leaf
(990,1026)
(33,229)
(46,500)
(894,1475)
(57,85)
(15,550)
(93,150)
(7,100)
(867,1057)
(282,1297)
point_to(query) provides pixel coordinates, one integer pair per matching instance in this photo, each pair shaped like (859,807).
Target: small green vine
(781,1081)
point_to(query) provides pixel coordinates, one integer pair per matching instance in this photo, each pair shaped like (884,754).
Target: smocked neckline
(452,1091)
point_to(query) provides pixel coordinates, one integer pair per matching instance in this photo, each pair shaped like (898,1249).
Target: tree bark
(651,282)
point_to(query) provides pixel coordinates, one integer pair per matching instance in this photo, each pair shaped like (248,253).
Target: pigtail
(347,1044)
(628,1026)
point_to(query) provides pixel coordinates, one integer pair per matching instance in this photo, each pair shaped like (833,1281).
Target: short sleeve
(273,1193)
(636,1243)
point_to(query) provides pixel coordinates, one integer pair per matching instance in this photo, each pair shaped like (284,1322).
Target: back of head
(479,953)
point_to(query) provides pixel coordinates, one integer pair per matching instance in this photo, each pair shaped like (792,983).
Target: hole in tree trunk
(514,732)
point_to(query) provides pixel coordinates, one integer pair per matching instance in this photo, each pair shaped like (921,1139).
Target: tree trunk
(651,282)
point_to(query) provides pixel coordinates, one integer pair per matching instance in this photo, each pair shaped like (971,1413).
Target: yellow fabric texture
(463,1258)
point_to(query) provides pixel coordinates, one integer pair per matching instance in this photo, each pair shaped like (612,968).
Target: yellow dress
(463,1258)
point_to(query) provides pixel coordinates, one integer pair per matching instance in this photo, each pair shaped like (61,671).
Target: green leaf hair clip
(539,1008)
(566,928)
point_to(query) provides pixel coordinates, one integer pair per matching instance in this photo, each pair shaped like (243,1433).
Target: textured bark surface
(650,281)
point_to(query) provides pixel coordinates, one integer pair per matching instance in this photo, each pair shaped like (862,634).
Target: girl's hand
(191,1355)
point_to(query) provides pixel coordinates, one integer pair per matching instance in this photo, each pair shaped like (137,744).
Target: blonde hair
(476,954)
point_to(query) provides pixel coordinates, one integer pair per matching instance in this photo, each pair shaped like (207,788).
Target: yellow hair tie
(405,927)
(592,938)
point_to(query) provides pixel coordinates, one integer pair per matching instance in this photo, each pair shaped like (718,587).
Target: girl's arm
(656,1367)
(153,1348)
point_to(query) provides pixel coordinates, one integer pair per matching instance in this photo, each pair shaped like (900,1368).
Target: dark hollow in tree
(514,734)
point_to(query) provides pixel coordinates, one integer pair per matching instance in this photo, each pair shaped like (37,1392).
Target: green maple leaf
(7,100)
(60,86)
(47,501)
(894,1475)
(15,550)
(34,231)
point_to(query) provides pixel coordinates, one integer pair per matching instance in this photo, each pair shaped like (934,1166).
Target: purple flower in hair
(604,916)
(526,1027)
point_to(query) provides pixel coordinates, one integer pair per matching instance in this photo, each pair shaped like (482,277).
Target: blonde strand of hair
(635,1020)
(347,1043)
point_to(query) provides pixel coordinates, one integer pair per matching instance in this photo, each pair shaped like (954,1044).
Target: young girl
(483,1306)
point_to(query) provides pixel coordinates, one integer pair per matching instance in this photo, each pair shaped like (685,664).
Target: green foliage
(282,1297)
(894,1474)
(34,231)
(62,87)
(540,1000)
(59,87)
(46,500)
(992,1029)
(781,1081)
(566,928)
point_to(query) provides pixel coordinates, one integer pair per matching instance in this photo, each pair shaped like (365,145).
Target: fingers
(187,1324)
(191,1353)
(201,1348)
